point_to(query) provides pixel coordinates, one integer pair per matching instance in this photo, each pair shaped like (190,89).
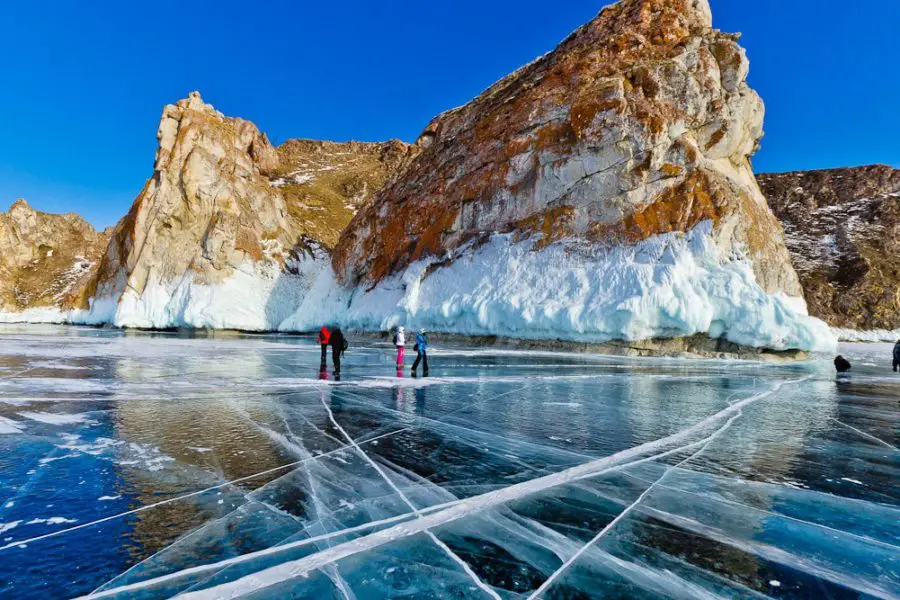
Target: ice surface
(217,467)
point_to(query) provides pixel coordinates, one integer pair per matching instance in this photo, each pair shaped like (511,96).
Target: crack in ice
(866,435)
(483,586)
(562,569)
(291,569)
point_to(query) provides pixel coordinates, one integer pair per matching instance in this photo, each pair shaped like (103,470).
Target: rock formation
(842,228)
(45,260)
(622,159)
(230,231)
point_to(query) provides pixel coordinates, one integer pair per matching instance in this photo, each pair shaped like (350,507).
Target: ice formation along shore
(668,286)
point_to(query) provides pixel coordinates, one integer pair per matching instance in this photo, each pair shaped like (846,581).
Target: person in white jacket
(400,343)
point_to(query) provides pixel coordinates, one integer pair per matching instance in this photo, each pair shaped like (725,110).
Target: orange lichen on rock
(616,115)
(552,225)
(677,209)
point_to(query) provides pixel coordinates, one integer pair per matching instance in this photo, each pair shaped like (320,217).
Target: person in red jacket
(324,338)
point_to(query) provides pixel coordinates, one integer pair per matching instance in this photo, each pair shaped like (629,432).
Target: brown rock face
(640,123)
(326,183)
(45,260)
(224,205)
(842,228)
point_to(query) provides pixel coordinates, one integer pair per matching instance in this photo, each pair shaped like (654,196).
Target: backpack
(395,339)
(345,345)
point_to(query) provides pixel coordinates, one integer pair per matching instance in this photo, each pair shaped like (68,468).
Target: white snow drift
(668,286)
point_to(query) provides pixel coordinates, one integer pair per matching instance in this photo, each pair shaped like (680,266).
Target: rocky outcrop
(229,231)
(326,183)
(46,260)
(622,158)
(842,228)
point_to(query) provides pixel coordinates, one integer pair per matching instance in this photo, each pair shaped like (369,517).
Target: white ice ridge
(870,336)
(667,286)
(440,515)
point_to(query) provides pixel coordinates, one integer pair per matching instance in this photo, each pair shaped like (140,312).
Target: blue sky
(84,82)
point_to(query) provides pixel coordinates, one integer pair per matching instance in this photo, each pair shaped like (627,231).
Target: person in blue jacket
(421,352)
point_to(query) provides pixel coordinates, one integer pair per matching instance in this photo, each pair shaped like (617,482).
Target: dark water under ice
(146,466)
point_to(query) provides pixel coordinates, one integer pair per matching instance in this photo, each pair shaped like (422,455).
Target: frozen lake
(146,466)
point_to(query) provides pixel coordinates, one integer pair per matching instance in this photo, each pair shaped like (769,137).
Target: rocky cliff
(602,192)
(843,231)
(45,260)
(230,231)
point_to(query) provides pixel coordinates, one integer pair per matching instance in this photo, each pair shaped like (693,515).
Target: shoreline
(696,346)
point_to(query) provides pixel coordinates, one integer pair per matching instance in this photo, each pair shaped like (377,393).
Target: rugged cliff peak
(640,123)
(218,237)
(603,191)
(45,259)
(842,228)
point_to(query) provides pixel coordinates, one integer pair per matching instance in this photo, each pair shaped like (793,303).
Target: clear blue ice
(137,465)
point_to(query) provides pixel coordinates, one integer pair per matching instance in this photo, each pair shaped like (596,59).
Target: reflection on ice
(148,466)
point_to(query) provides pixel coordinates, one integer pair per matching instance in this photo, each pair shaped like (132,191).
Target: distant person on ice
(324,338)
(842,365)
(897,356)
(338,346)
(421,349)
(400,343)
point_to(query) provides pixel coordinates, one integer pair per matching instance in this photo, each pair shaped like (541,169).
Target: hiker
(400,343)
(842,365)
(421,349)
(324,338)
(897,356)
(339,345)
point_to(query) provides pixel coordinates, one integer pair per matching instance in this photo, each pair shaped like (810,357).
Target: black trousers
(896,363)
(421,356)
(324,353)
(336,358)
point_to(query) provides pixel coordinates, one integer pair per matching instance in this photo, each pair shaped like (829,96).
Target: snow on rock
(255,297)
(842,228)
(670,285)
(46,260)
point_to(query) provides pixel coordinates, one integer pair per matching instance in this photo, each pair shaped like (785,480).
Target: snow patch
(4,527)
(8,426)
(55,419)
(52,521)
